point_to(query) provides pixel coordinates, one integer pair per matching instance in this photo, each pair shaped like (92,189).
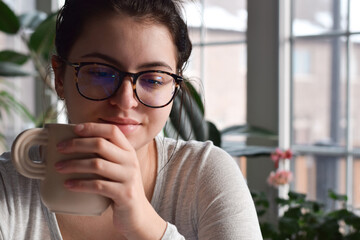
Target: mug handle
(20,152)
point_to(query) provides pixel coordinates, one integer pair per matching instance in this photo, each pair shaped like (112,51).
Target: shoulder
(202,168)
(203,157)
(210,190)
(183,149)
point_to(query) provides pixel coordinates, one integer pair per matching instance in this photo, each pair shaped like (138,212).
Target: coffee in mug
(53,193)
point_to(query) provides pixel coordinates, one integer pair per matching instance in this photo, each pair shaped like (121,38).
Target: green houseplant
(187,121)
(307,220)
(36,30)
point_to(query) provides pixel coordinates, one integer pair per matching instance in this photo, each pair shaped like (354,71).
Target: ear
(59,70)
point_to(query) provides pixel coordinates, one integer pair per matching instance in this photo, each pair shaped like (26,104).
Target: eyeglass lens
(98,82)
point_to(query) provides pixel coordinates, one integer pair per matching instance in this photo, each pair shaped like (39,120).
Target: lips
(126,125)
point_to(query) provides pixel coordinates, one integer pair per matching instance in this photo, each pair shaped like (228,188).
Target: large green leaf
(187,119)
(197,120)
(179,121)
(32,20)
(42,40)
(195,96)
(240,149)
(9,23)
(249,131)
(8,69)
(13,57)
(214,134)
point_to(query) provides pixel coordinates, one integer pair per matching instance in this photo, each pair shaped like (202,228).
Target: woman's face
(130,46)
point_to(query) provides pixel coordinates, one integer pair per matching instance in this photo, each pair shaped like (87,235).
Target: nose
(124,97)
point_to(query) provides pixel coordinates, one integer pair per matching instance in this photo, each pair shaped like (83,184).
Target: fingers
(97,166)
(106,140)
(97,145)
(106,131)
(115,160)
(118,192)
(101,187)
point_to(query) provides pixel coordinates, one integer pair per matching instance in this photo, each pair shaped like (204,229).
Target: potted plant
(36,30)
(307,220)
(187,121)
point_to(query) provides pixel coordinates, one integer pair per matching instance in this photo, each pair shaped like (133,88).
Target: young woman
(118,66)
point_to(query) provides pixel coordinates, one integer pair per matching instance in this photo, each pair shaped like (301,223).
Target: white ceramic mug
(53,193)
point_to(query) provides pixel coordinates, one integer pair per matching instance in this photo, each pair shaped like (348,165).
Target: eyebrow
(116,63)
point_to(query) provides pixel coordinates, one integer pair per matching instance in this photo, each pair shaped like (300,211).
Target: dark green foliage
(9,23)
(187,119)
(307,220)
(39,45)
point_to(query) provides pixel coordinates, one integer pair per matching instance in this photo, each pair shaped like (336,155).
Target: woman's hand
(117,163)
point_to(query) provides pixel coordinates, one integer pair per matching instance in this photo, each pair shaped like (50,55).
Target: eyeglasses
(100,81)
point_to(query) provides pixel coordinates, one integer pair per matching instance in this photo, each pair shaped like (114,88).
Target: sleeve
(224,204)
(171,233)
(4,208)
(21,212)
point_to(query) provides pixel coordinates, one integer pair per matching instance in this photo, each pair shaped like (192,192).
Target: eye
(100,72)
(151,80)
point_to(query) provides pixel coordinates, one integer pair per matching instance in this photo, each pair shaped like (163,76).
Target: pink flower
(287,154)
(280,177)
(279,154)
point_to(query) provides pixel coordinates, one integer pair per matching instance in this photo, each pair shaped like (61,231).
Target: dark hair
(74,15)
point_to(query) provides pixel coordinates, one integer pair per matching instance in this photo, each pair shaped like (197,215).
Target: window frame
(348,151)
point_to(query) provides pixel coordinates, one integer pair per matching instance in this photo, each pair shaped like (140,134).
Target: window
(302,61)
(325,114)
(218,61)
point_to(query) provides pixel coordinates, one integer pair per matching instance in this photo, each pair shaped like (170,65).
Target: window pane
(315,17)
(192,15)
(61,3)
(219,70)
(319,92)
(225,84)
(225,20)
(314,175)
(355,88)
(193,69)
(354,15)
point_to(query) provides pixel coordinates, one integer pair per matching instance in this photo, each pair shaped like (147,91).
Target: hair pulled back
(75,14)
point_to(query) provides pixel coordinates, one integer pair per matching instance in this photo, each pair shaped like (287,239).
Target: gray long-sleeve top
(199,191)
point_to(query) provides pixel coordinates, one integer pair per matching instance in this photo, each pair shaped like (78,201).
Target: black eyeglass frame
(134,76)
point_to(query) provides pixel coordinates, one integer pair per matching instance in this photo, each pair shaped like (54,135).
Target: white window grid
(286,86)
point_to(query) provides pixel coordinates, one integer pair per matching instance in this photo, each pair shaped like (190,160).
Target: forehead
(127,39)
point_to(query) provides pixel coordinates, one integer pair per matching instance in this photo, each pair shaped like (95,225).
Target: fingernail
(59,165)
(79,127)
(61,146)
(69,183)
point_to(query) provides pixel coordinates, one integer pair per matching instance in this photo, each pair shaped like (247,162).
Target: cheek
(78,108)
(159,117)
(69,84)
(165,112)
